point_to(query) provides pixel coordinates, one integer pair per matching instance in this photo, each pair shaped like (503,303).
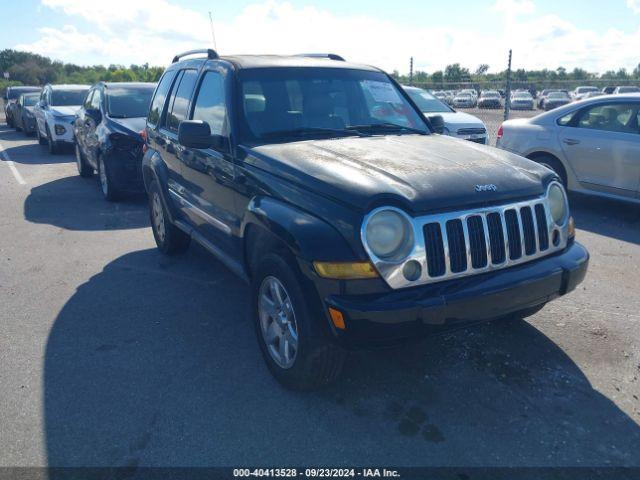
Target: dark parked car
(23,114)
(608,90)
(11,96)
(108,139)
(320,183)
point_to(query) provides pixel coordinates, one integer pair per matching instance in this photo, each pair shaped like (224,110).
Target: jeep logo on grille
(486,188)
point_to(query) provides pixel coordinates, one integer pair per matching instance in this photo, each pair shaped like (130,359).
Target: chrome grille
(464,243)
(472,131)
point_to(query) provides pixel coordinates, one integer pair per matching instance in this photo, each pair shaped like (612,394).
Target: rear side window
(179,109)
(610,117)
(158,100)
(210,105)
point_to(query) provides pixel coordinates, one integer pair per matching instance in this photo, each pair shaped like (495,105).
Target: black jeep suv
(320,183)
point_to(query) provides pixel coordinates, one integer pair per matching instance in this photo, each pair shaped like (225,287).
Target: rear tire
(18,127)
(169,238)
(317,361)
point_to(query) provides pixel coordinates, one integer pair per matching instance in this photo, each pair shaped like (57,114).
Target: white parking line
(12,167)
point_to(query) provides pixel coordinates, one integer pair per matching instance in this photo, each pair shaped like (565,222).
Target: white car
(626,89)
(521,100)
(580,92)
(593,145)
(456,124)
(464,100)
(55,113)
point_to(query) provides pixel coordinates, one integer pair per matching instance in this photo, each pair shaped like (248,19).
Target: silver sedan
(593,145)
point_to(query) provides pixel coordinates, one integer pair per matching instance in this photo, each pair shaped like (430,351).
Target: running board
(228,262)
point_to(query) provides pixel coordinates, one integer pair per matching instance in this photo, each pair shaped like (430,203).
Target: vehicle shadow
(611,218)
(76,203)
(31,153)
(154,362)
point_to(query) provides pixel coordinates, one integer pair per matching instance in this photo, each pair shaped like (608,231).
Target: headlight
(558,203)
(389,235)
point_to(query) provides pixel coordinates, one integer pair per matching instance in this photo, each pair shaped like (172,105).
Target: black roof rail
(211,54)
(330,56)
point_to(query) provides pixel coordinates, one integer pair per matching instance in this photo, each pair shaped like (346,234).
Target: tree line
(455,74)
(25,68)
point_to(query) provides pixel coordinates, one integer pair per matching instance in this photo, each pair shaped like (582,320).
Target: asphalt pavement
(113,355)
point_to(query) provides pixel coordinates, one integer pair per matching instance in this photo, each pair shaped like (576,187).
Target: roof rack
(330,56)
(211,54)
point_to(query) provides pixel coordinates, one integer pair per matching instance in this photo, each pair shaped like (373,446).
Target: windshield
(427,102)
(128,102)
(522,95)
(30,100)
(628,89)
(586,89)
(490,95)
(67,98)
(557,95)
(280,103)
(15,92)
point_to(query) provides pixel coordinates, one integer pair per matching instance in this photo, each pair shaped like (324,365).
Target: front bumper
(125,168)
(396,315)
(65,138)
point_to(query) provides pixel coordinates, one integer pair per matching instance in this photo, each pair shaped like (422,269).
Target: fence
(511,80)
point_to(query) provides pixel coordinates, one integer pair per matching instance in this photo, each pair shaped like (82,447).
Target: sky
(592,34)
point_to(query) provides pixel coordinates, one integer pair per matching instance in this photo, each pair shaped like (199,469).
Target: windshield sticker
(382,91)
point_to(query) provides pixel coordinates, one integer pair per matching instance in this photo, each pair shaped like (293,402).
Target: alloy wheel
(278,322)
(157,215)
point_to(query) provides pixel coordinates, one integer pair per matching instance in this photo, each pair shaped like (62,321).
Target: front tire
(41,140)
(84,170)
(297,352)
(106,183)
(169,238)
(51,143)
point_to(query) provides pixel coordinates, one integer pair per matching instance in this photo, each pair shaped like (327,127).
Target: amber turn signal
(571,230)
(337,318)
(345,270)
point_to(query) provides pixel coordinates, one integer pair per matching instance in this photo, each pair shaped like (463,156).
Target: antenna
(213,35)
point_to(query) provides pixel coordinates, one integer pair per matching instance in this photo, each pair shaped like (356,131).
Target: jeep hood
(421,173)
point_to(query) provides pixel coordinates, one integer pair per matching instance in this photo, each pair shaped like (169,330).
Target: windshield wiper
(307,131)
(386,127)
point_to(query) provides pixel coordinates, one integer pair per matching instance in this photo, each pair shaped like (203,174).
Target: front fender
(306,235)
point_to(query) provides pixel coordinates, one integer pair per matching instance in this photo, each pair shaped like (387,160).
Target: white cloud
(125,31)
(634,5)
(514,7)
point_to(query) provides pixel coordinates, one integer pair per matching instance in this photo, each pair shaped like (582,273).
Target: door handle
(571,141)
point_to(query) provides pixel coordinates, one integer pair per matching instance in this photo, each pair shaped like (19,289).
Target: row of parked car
(522,99)
(102,123)
(326,186)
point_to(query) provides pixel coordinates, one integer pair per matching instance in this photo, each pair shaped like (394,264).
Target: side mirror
(437,123)
(197,134)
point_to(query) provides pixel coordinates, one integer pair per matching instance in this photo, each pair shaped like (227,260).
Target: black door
(209,174)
